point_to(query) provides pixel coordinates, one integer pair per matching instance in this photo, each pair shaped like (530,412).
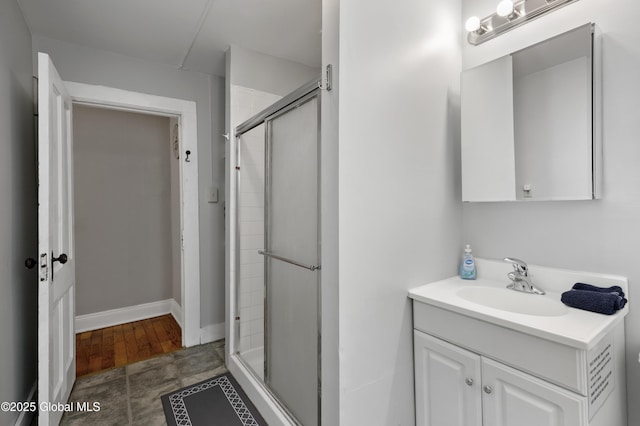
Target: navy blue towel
(603,303)
(614,289)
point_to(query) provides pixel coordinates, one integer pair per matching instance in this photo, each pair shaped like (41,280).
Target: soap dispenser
(468,265)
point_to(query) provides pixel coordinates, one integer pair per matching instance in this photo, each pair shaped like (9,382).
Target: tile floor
(130,395)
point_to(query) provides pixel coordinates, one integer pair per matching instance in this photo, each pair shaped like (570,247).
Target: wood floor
(123,344)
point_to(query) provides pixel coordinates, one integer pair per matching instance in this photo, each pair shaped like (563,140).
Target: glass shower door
(292,259)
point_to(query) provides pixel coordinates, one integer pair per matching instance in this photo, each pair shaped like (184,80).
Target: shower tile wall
(245,103)
(251,223)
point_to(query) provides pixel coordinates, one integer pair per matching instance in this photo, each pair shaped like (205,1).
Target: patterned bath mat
(215,402)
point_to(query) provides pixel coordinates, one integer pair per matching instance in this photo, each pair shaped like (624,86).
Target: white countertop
(576,328)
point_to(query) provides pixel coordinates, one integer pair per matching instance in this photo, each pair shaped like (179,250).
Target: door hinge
(35,96)
(44,267)
(327,82)
(176,141)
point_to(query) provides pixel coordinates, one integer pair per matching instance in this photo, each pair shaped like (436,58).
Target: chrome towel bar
(293,262)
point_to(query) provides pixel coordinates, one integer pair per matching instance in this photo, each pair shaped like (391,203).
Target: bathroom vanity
(488,355)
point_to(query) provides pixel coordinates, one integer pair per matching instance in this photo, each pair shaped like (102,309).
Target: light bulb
(505,8)
(472,24)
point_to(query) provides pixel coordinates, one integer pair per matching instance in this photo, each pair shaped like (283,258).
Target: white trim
(109,97)
(176,312)
(211,333)
(25,418)
(123,315)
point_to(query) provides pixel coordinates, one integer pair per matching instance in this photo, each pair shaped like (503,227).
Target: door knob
(488,389)
(469,381)
(62,258)
(30,262)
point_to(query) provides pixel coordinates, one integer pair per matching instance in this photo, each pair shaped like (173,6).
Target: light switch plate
(212,194)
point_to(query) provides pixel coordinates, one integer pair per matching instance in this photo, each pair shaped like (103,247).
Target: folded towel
(614,289)
(603,303)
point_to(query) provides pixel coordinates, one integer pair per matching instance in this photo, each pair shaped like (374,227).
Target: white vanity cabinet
(447,380)
(512,397)
(485,355)
(456,387)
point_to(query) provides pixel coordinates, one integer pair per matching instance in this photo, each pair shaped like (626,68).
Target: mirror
(530,123)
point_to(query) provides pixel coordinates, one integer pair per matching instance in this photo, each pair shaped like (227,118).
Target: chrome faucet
(520,279)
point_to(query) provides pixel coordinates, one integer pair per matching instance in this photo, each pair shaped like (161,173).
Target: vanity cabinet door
(513,398)
(447,381)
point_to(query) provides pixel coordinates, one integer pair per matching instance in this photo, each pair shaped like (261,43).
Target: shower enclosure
(277,312)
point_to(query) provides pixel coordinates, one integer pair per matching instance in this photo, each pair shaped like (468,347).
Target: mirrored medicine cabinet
(531,122)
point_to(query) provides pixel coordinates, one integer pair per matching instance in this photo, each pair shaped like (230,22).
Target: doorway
(56,242)
(127,237)
(181,116)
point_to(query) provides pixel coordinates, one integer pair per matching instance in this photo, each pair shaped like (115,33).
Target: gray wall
(215,294)
(92,66)
(18,206)
(329,187)
(398,191)
(599,236)
(267,73)
(176,246)
(122,209)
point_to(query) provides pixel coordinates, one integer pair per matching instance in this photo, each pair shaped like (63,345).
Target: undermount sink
(513,301)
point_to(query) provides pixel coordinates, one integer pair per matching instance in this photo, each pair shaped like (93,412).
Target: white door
(513,398)
(56,264)
(447,381)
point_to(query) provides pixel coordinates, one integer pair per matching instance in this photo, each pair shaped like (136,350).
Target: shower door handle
(293,262)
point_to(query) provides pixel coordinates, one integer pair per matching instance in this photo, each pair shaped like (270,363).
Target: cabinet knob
(469,381)
(488,389)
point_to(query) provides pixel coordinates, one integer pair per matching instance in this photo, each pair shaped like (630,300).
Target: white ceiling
(192,34)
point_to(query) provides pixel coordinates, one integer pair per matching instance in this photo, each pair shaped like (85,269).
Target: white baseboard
(176,312)
(123,315)
(25,417)
(211,333)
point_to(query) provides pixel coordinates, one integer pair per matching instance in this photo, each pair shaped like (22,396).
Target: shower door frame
(295,99)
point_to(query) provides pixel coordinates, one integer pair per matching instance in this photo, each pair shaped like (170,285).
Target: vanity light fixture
(473,24)
(509,14)
(505,8)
